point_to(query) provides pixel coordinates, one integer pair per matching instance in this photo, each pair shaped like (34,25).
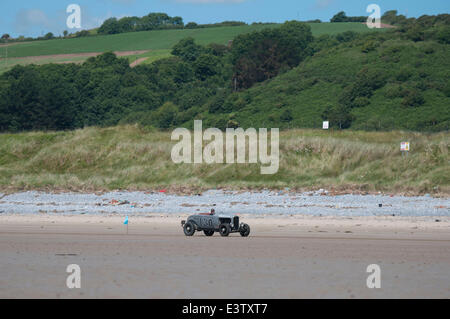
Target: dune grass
(138,158)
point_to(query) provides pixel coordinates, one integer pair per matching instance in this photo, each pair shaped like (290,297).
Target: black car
(210,223)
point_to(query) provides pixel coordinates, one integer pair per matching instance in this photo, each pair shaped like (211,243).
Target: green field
(10,63)
(154,40)
(137,158)
(151,56)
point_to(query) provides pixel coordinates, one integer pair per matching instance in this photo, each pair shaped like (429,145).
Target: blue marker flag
(126,221)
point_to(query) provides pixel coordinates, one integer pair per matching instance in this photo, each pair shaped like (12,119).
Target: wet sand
(284,257)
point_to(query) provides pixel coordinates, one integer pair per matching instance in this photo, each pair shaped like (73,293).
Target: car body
(210,223)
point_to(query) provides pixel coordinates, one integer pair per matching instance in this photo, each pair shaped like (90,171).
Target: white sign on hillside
(404,146)
(325,125)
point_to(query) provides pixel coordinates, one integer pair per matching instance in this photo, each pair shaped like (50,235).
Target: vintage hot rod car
(210,223)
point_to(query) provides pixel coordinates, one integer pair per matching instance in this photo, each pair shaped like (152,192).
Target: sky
(36,18)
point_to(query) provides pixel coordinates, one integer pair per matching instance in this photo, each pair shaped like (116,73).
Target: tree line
(105,90)
(213,82)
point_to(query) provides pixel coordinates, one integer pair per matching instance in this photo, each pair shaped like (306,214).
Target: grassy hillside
(151,56)
(133,157)
(413,91)
(154,40)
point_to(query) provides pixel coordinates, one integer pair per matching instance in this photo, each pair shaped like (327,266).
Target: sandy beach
(284,257)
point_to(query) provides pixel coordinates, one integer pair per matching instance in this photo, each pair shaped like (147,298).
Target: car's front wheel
(189,229)
(244,230)
(208,232)
(224,230)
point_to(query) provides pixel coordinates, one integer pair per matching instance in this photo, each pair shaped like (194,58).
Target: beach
(298,256)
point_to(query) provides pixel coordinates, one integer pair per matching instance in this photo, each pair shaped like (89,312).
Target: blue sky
(34,18)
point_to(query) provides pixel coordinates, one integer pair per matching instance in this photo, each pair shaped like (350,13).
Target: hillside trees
(109,26)
(49,36)
(339,83)
(187,49)
(152,21)
(338,115)
(342,17)
(259,56)
(38,99)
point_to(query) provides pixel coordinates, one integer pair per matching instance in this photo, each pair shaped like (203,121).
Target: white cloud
(35,22)
(27,19)
(89,21)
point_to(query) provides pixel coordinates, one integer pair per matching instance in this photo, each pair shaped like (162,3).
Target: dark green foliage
(391,17)
(49,36)
(188,50)
(191,25)
(259,56)
(206,66)
(286,116)
(367,80)
(413,98)
(368,46)
(38,99)
(152,21)
(283,78)
(82,33)
(342,17)
(443,34)
(110,26)
(217,103)
(415,33)
(233,124)
(339,116)
(346,36)
(165,115)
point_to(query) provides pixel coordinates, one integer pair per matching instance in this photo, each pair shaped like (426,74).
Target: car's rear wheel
(189,229)
(244,230)
(208,232)
(224,230)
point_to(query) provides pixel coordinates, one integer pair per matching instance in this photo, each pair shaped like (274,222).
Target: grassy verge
(136,158)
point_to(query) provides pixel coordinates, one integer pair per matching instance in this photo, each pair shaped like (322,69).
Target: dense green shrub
(152,21)
(259,56)
(188,50)
(413,98)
